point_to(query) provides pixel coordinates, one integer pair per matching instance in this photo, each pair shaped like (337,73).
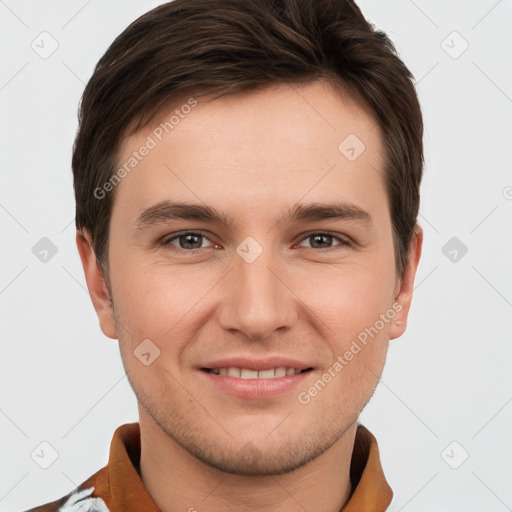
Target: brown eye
(324,241)
(188,241)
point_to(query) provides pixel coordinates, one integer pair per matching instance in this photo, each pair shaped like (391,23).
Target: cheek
(354,310)
(348,297)
(159,302)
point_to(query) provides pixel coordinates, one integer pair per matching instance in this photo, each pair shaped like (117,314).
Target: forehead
(259,145)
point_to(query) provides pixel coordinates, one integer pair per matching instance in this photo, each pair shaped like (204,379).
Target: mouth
(253,383)
(248,373)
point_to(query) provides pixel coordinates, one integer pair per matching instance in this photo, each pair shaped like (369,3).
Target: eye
(186,241)
(322,240)
(191,241)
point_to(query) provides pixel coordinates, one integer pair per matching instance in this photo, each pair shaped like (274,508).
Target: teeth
(280,372)
(267,374)
(245,373)
(248,374)
(234,372)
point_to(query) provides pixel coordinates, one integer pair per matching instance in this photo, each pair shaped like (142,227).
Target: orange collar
(121,487)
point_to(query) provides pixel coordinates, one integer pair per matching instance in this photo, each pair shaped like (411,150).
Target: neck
(178,481)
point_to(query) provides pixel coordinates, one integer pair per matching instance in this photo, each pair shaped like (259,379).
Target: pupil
(188,241)
(319,237)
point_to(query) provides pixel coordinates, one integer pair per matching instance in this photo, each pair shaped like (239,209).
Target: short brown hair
(197,47)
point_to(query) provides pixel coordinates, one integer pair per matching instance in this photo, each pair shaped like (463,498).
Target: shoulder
(85,497)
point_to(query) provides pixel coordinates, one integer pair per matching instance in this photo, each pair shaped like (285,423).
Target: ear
(96,285)
(405,286)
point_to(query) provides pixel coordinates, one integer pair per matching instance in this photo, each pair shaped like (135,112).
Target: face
(285,265)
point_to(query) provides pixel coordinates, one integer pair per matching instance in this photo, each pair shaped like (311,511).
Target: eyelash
(167,241)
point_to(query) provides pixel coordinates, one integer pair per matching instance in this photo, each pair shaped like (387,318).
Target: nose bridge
(256,301)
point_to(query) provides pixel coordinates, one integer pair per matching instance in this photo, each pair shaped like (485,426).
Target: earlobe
(403,298)
(96,285)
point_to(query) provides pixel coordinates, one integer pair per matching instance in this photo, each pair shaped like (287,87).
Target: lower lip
(256,388)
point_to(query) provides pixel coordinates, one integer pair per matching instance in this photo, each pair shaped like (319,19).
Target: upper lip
(257,364)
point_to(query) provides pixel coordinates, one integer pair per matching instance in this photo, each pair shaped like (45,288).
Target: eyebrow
(312,212)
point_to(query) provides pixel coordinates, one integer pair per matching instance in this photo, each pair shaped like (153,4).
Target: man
(247,184)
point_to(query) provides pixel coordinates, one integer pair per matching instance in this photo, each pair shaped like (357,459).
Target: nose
(256,298)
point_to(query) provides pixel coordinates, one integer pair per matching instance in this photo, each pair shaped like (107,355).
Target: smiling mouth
(245,373)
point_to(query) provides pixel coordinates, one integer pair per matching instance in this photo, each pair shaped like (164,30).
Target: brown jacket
(118,487)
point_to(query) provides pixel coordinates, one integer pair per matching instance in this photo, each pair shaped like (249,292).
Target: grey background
(446,380)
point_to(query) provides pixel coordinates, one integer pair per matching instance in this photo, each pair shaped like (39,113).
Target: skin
(252,155)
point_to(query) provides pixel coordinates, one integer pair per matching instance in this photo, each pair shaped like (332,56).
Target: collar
(124,489)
